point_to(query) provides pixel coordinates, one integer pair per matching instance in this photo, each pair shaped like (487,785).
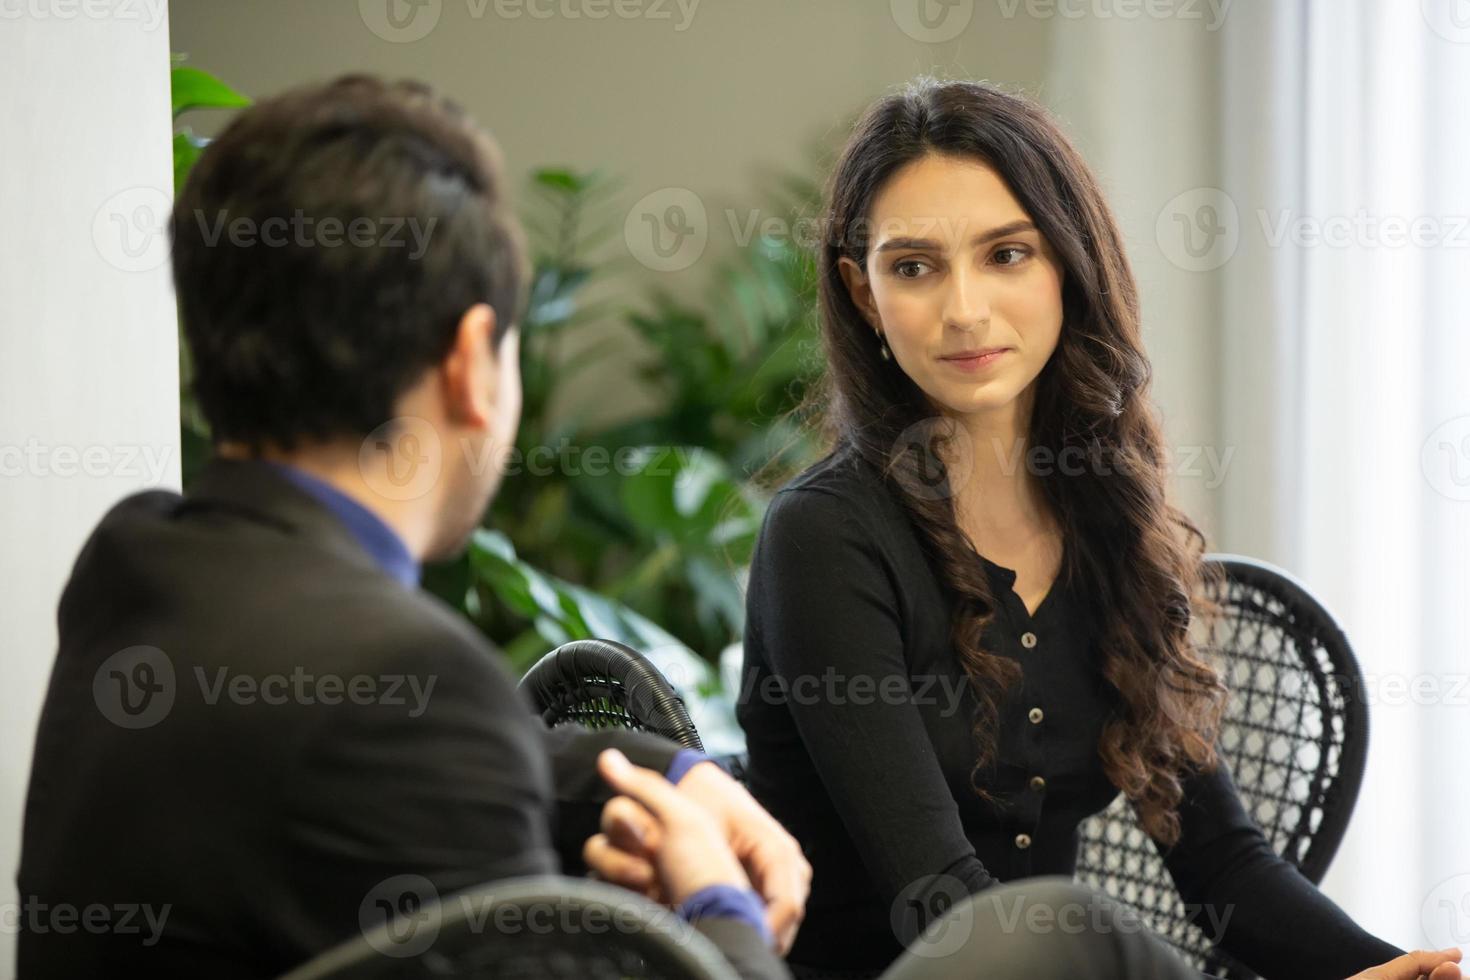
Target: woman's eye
(1020,254)
(909,268)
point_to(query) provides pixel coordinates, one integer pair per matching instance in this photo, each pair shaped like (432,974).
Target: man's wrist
(727,902)
(685,760)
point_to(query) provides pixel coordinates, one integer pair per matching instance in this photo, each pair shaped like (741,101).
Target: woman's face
(955,267)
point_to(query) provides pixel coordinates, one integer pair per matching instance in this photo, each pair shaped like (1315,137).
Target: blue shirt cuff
(728,902)
(684,760)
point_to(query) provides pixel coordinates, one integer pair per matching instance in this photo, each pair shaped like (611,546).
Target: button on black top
(858,718)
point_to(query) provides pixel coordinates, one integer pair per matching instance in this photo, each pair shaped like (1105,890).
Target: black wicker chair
(538,928)
(602,684)
(1295,737)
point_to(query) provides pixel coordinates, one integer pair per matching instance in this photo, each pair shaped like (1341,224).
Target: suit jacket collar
(257,491)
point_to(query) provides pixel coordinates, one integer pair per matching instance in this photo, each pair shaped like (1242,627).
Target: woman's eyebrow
(923,244)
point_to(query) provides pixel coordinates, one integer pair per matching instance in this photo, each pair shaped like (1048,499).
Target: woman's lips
(975,362)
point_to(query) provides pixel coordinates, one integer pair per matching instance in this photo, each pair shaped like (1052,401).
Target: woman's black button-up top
(859,723)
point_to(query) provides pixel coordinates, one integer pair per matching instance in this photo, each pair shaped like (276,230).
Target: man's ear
(859,290)
(469,370)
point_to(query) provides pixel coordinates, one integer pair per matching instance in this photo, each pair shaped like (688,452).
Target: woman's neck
(1001,500)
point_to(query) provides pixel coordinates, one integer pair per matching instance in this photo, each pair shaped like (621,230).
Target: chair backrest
(602,684)
(1295,736)
(546,926)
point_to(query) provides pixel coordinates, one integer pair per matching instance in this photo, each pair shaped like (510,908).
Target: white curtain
(1345,136)
(1328,277)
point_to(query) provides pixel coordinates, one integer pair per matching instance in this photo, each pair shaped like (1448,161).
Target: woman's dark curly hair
(1137,557)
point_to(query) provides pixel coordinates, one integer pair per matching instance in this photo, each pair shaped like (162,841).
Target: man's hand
(772,858)
(1411,966)
(625,852)
(681,849)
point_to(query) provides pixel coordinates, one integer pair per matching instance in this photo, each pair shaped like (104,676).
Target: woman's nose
(966,306)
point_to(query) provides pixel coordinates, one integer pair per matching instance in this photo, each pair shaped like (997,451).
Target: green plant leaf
(560,179)
(187,148)
(560,609)
(195,89)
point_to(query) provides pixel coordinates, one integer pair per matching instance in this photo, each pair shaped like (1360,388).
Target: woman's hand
(1439,965)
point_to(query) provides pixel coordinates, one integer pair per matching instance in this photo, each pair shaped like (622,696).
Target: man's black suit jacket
(252,731)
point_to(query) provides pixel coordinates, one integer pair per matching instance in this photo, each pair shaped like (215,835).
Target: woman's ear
(859,290)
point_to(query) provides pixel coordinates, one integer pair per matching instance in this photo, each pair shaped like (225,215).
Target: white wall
(88,349)
(1149,144)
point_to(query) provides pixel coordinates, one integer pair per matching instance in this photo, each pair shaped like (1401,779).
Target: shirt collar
(377,538)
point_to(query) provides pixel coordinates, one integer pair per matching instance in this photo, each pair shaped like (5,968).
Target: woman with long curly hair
(969,624)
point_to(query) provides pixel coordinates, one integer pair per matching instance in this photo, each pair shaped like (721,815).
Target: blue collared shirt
(377,538)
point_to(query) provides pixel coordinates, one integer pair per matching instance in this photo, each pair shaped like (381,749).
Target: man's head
(349,275)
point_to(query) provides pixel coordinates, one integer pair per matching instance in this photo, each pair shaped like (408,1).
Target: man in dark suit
(258,728)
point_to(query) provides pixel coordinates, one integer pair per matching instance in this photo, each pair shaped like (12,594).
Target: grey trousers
(1038,928)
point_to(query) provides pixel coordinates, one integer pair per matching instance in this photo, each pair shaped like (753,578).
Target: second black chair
(1295,735)
(602,684)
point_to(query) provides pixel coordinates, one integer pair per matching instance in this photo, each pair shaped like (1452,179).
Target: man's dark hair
(325,248)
